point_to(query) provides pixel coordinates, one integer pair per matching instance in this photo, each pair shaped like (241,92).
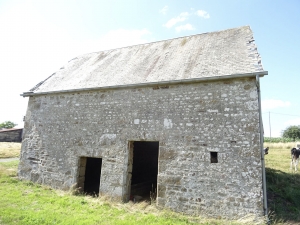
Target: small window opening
(213,157)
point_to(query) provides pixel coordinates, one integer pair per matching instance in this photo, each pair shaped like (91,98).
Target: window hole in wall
(213,157)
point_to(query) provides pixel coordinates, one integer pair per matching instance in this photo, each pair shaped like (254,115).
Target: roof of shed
(11,129)
(220,53)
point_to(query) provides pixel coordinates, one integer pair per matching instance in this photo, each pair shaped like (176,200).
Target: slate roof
(220,53)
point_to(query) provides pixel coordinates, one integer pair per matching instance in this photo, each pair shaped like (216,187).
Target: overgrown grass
(283,184)
(9,149)
(28,203)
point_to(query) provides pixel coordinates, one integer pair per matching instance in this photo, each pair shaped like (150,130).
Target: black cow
(266,150)
(295,153)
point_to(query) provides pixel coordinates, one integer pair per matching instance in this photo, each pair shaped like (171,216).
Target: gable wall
(189,121)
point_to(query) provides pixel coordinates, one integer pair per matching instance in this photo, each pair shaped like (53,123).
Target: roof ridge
(165,40)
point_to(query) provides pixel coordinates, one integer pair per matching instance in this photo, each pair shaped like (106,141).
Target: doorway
(144,166)
(89,175)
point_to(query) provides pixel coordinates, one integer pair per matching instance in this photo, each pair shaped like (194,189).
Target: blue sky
(38,37)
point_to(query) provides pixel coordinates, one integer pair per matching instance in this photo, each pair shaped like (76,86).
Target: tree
(292,132)
(7,125)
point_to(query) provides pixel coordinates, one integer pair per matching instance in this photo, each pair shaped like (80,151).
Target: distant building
(11,135)
(179,116)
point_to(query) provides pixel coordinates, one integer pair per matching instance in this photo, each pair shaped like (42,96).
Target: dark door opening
(91,169)
(144,169)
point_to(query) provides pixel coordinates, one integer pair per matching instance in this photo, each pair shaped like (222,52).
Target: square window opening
(213,157)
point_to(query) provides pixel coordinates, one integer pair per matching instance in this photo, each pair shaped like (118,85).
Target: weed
(153,195)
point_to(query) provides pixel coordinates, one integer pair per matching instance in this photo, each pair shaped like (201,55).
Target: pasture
(283,184)
(29,203)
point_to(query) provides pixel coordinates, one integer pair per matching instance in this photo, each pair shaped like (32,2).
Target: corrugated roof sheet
(231,51)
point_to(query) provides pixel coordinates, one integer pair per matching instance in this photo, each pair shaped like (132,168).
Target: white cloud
(164,10)
(274,103)
(182,17)
(203,14)
(185,27)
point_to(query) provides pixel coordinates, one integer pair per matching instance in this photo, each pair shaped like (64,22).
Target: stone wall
(11,135)
(189,121)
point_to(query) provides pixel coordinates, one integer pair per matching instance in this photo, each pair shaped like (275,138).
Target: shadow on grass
(283,191)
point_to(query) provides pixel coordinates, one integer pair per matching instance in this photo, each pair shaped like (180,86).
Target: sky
(37,37)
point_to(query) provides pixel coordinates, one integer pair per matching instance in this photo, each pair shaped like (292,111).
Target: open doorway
(89,175)
(144,164)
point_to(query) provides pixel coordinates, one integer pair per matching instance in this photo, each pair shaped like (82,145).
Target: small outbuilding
(11,135)
(179,119)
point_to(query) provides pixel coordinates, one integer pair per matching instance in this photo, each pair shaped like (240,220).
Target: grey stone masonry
(193,123)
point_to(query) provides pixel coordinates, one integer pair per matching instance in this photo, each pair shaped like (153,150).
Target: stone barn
(179,118)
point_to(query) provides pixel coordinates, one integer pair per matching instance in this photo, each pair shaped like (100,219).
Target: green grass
(28,203)
(283,186)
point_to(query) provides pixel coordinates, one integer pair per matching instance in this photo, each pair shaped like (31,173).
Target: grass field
(9,149)
(283,184)
(28,203)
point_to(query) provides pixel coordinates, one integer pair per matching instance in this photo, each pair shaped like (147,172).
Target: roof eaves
(183,81)
(11,129)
